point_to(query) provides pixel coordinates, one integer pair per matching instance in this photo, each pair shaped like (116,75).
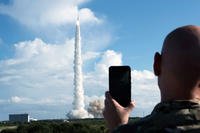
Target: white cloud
(86,15)
(39,66)
(54,21)
(97,80)
(109,58)
(90,55)
(145,74)
(145,91)
(49,68)
(38,101)
(43,13)
(16,99)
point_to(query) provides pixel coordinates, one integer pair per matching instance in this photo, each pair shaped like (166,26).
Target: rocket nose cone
(77,22)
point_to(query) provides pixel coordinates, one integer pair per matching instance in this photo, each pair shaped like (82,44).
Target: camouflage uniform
(168,117)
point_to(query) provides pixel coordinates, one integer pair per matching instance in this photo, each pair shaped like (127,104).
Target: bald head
(183,42)
(180,61)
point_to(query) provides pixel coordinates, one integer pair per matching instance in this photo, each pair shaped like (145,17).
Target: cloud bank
(38,79)
(43,13)
(54,21)
(42,74)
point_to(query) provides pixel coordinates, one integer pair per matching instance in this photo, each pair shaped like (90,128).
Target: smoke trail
(78,81)
(78,103)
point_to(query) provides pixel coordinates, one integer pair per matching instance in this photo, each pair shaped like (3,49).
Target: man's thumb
(131,105)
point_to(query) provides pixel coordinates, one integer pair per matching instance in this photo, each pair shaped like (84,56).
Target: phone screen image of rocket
(120,84)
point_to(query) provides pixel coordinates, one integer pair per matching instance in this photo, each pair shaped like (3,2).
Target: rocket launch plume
(78,103)
(96,107)
(78,81)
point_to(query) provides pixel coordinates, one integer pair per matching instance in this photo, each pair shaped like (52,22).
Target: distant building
(32,119)
(19,118)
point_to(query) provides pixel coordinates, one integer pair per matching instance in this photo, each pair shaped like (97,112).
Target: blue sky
(142,25)
(138,26)
(34,36)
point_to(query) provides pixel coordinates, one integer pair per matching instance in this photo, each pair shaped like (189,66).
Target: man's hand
(115,114)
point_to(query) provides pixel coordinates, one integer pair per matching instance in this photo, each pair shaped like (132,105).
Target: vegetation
(58,126)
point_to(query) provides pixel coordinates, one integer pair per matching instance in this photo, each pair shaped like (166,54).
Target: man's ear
(157,64)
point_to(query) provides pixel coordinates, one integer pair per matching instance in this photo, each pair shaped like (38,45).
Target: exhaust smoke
(78,111)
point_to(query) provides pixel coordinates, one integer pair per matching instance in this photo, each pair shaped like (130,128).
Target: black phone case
(120,84)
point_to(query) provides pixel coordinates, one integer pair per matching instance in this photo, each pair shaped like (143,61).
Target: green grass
(7,127)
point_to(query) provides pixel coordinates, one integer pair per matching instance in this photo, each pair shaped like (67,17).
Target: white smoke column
(78,103)
(78,80)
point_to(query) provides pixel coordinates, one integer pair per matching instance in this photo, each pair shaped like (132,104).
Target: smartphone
(120,84)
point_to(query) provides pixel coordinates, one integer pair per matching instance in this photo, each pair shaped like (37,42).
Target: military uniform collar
(176,105)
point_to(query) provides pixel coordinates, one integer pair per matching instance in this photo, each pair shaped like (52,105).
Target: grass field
(7,127)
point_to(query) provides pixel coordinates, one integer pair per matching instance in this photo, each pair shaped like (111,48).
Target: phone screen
(120,84)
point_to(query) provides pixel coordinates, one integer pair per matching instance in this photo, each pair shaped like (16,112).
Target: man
(178,72)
